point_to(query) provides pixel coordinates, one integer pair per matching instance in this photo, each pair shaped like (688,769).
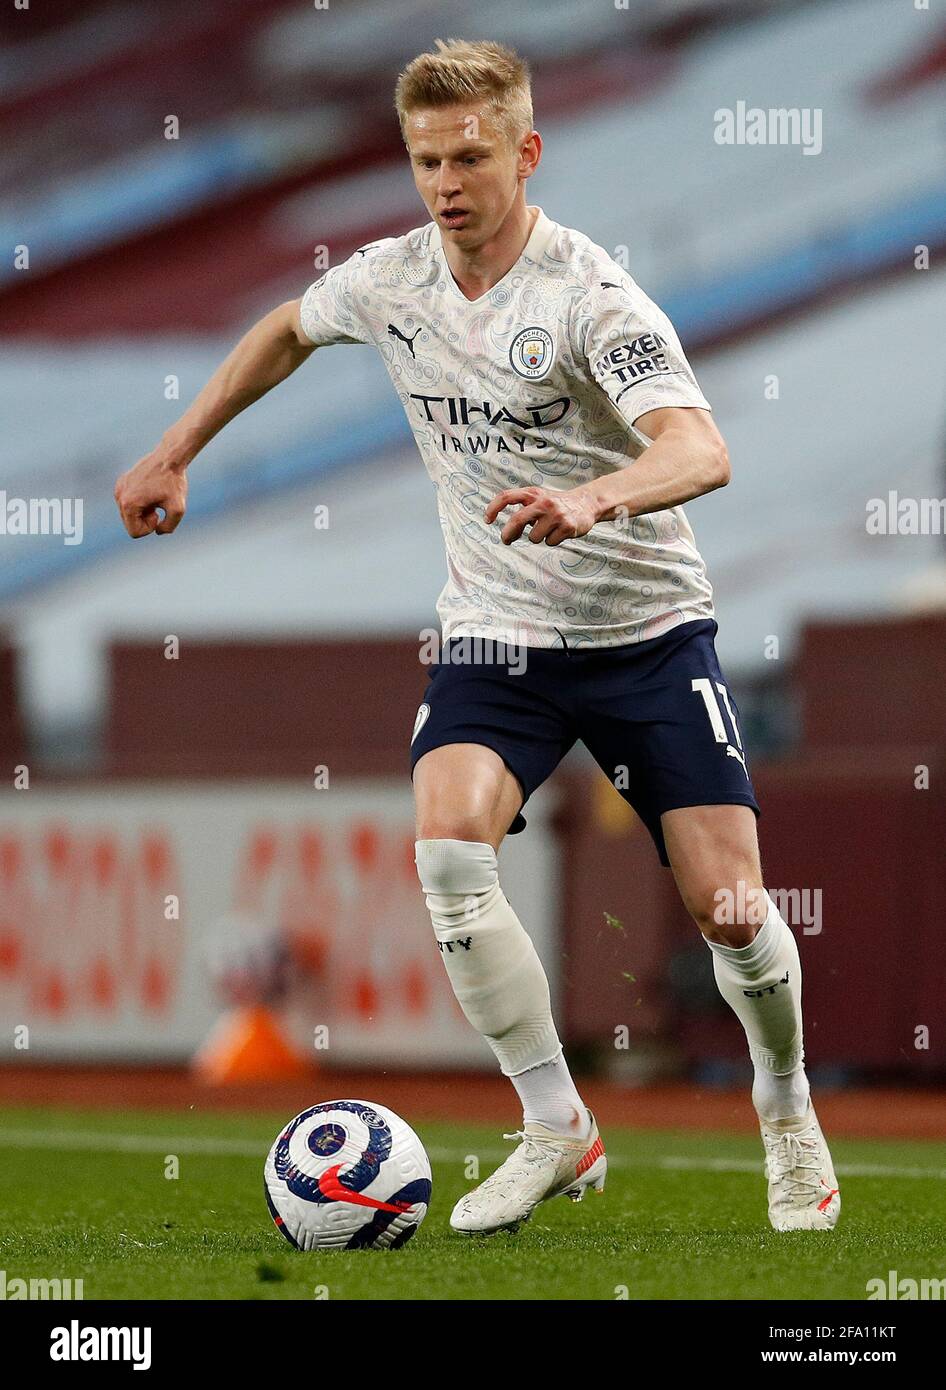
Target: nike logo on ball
(330,1187)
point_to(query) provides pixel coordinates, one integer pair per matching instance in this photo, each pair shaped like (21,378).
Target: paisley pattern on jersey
(482,426)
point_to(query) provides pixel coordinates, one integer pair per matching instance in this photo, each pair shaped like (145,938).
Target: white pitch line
(850,1170)
(76,1139)
(95,1142)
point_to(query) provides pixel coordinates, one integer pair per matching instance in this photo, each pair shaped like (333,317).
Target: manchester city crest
(532,352)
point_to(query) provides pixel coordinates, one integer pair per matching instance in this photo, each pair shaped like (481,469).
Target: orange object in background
(247,1045)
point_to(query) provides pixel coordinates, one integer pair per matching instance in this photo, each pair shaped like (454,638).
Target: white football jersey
(539,381)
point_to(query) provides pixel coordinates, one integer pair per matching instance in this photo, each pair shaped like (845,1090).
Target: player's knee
(453,865)
(725,916)
(471,826)
(737,935)
(460,879)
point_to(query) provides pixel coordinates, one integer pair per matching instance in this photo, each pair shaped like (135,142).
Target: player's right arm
(265,356)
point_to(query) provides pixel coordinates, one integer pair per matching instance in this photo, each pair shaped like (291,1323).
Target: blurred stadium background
(173,855)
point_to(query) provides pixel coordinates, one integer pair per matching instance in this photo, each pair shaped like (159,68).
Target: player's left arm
(686,458)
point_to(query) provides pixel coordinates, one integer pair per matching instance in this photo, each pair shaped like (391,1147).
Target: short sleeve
(328,311)
(634,353)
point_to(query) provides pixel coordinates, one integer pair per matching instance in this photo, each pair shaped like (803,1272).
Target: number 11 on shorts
(704,687)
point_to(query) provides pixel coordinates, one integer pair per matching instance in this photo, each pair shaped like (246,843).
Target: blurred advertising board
(127,915)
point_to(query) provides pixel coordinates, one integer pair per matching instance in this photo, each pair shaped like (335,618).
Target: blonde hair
(461,71)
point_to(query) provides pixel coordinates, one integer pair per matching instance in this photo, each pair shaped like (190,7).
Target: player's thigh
(659,719)
(714,856)
(490,730)
(464,791)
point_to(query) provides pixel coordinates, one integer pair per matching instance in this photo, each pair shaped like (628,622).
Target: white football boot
(544,1165)
(803,1191)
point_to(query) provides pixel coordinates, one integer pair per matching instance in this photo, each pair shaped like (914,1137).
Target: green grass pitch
(83,1194)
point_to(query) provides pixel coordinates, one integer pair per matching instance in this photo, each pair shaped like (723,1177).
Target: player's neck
(477,271)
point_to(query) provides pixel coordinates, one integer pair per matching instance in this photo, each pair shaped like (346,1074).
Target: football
(347,1175)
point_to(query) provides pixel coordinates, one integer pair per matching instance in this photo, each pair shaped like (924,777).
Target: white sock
(761,983)
(780,1095)
(549,1097)
(489,957)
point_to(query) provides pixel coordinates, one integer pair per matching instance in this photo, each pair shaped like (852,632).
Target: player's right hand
(153,486)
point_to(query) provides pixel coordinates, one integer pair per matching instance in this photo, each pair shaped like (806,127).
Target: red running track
(864,1113)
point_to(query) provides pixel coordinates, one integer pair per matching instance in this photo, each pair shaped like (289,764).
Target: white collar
(539,238)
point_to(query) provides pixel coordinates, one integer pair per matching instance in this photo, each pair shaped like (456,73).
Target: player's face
(466,170)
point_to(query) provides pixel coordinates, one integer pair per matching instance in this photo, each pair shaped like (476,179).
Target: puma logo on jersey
(396,333)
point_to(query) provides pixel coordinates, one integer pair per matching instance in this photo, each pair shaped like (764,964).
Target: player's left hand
(553,516)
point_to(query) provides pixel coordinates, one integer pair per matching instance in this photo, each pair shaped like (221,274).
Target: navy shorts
(657,717)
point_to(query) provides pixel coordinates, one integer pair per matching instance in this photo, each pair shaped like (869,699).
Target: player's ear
(530,152)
